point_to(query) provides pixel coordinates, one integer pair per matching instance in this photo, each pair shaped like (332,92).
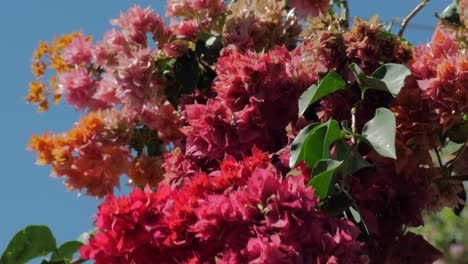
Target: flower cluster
(259,25)
(252,106)
(201,116)
(87,154)
(242,213)
(49,55)
(441,71)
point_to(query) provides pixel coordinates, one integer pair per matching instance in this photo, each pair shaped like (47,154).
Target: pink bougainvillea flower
(78,51)
(304,8)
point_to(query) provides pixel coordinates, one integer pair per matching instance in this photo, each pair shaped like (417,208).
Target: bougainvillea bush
(265,131)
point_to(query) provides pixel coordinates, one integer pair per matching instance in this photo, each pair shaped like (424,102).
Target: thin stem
(438,158)
(353,124)
(78,261)
(410,16)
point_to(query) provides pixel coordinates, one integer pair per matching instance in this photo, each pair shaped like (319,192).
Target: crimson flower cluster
(244,212)
(252,106)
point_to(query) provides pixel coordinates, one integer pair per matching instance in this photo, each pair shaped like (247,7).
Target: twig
(353,124)
(405,21)
(438,158)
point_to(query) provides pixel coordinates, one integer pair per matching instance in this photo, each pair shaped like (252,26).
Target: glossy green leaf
(352,213)
(389,77)
(322,176)
(31,242)
(366,82)
(355,214)
(393,75)
(329,84)
(380,132)
(313,143)
(317,144)
(65,251)
(313,146)
(297,150)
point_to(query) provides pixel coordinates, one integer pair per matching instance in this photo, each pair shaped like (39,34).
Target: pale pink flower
(106,89)
(137,22)
(78,51)
(186,29)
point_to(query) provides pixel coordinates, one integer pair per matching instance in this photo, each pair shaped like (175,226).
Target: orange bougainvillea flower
(50,56)
(85,155)
(43,145)
(38,68)
(37,92)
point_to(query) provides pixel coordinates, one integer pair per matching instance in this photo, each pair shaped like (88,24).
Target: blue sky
(27,194)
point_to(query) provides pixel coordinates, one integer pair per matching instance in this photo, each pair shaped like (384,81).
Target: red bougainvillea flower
(243,213)
(252,107)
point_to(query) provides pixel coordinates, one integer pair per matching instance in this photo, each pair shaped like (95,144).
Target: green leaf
(389,77)
(317,144)
(346,128)
(329,84)
(313,143)
(31,242)
(353,212)
(380,132)
(451,14)
(322,176)
(393,75)
(297,151)
(65,251)
(365,82)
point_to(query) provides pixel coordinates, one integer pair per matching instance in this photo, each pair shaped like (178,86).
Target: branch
(78,261)
(457,178)
(411,15)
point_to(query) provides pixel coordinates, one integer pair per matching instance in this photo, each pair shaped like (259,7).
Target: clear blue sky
(27,194)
